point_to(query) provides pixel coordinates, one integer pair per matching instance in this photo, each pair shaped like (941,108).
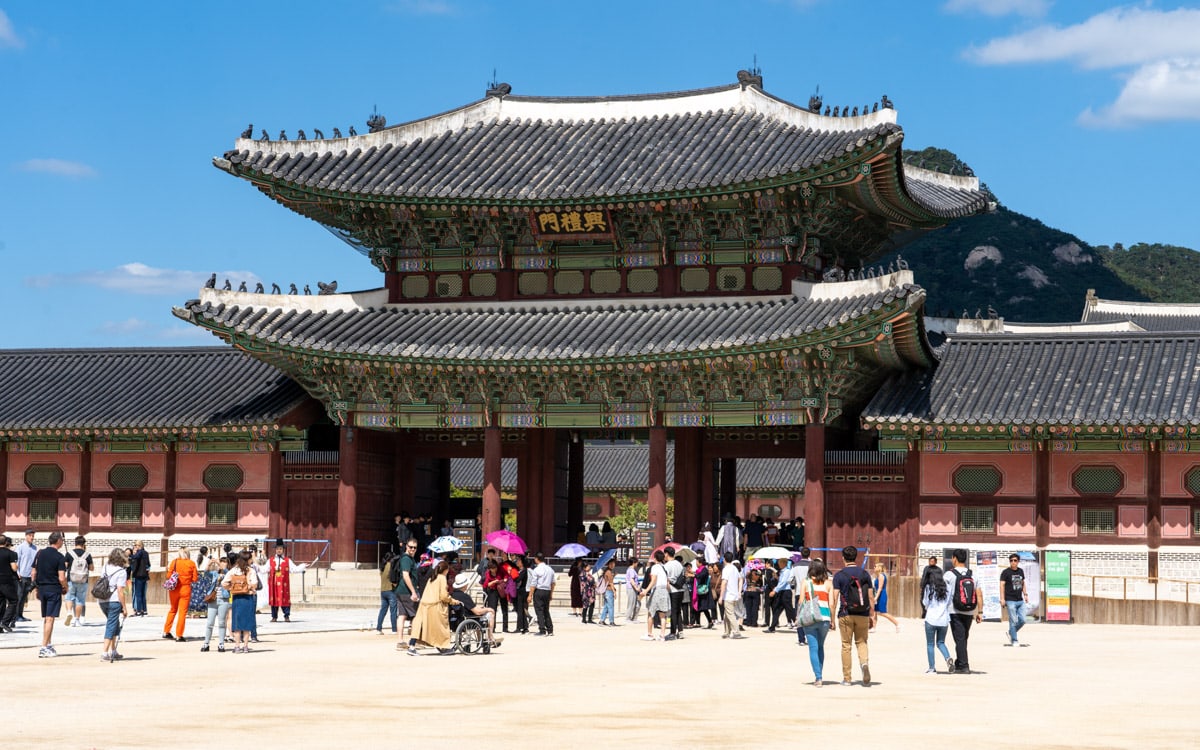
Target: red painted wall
(1017,470)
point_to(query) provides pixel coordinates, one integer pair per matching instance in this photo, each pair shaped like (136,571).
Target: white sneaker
(648,638)
(79,622)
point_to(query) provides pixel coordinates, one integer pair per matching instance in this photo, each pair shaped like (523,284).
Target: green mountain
(1029,272)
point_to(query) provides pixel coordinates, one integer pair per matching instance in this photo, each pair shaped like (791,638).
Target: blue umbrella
(572,550)
(445,544)
(604,558)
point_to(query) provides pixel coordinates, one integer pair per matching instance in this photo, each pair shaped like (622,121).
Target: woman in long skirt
(242,583)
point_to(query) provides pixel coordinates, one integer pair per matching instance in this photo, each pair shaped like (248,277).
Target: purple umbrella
(572,550)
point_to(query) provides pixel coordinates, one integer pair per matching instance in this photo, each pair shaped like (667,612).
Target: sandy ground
(321,682)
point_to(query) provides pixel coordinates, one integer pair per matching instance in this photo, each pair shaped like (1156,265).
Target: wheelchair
(470,632)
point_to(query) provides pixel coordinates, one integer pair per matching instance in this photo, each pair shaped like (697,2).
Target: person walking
(49,576)
(935,600)
(387,593)
(605,589)
(854,602)
(9,585)
(1016,598)
(658,598)
(185,570)
(587,592)
(781,596)
(967,608)
(521,600)
(880,585)
(712,555)
(79,568)
(633,589)
(26,552)
(818,589)
(115,607)
(241,581)
(139,573)
(676,580)
(574,573)
(218,603)
(752,597)
(431,626)
(731,597)
(404,573)
(704,585)
(541,590)
(495,588)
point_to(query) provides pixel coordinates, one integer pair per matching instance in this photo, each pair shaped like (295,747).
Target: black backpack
(858,601)
(394,573)
(964,598)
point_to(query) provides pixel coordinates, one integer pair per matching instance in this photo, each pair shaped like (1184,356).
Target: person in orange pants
(185,569)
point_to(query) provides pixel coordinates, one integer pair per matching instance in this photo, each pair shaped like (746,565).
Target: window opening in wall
(128,477)
(222,512)
(223,477)
(1097,480)
(770,511)
(127,511)
(977,519)
(977,480)
(1098,521)
(43,511)
(43,476)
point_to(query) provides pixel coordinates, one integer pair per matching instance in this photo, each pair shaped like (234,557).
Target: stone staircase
(359,589)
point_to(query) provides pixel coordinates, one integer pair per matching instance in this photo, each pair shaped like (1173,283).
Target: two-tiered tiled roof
(1149,316)
(509,332)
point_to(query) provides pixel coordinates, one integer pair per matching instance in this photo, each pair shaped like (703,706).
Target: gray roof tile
(1080,379)
(141,389)
(508,331)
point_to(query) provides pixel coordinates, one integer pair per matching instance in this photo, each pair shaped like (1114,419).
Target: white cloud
(1159,91)
(59,167)
(8,35)
(138,278)
(999,7)
(144,330)
(1157,52)
(1116,38)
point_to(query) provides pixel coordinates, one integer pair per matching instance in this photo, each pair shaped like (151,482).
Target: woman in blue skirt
(241,582)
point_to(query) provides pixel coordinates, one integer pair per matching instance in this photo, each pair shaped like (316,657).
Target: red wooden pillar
(277,516)
(170,491)
(1042,493)
(491,480)
(1154,511)
(85,490)
(574,485)
(547,463)
(391,280)
(347,507)
(656,494)
(689,516)
(814,485)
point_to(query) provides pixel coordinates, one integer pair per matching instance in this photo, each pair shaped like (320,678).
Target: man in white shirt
(675,579)
(541,589)
(633,581)
(730,594)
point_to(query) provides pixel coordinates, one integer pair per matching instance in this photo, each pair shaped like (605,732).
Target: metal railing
(380,547)
(1132,588)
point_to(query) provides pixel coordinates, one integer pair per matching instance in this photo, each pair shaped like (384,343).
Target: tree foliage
(631,511)
(1163,273)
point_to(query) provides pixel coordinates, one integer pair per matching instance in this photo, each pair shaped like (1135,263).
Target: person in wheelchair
(465,606)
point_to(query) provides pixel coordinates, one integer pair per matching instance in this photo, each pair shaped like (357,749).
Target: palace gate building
(691,269)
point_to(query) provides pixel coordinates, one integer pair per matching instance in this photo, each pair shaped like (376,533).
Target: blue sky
(1078,113)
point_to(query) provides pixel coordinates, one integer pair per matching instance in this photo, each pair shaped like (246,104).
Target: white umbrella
(772,553)
(445,544)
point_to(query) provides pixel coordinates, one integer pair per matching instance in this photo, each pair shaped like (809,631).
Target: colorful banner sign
(572,224)
(987,584)
(1058,586)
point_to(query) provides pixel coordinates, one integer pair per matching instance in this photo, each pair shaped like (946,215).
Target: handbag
(171,582)
(809,612)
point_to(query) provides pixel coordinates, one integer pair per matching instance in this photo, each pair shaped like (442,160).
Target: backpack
(680,580)
(964,598)
(239,584)
(422,578)
(394,574)
(858,601)
(102,589)
(79,567)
